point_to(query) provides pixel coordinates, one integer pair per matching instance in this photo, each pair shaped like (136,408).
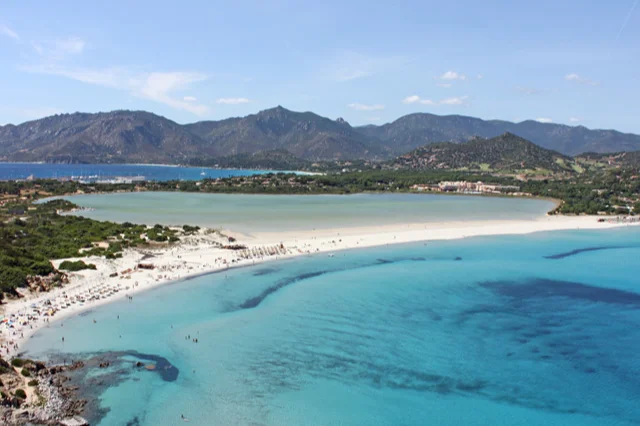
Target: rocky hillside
(119,136)
(304,134)
(142,137)
(506,152)
(415,130)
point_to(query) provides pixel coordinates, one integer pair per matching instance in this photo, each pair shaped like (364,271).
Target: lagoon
(268,213)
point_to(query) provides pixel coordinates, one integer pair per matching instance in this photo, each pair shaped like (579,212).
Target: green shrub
(188,229)
(33,382)
(18,362)
(21,394)
(25,372)
(79,265)
(115,247)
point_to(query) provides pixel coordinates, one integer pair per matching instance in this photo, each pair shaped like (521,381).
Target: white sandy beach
(198,254)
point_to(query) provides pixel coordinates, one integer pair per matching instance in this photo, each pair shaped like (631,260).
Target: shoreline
(199,255)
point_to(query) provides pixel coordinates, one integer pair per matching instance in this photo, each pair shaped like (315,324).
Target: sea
(13,171)
(538,329)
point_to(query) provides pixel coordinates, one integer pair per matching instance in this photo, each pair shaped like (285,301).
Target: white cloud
(154,86)
(579,79)
(452,75)
(9,32)
(544,120)
(415,99)
(411,99)
(575,119)
(157,86)
(233,101)
(626,19)
(363,107)
(445,85)
(480,76)
(59,49)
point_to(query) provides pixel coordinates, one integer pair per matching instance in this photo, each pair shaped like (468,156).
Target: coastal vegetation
(78,265)
(33,234)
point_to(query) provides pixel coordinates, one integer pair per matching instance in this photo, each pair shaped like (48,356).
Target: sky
(369,62)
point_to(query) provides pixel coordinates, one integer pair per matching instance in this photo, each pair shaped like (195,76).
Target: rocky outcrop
(32,393)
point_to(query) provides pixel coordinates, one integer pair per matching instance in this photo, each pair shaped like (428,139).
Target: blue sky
(565,61)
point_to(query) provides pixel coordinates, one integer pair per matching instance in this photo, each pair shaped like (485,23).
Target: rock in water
(74,421)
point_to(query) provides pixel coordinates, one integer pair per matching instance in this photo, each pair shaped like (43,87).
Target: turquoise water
(158,173)
(251,213)
(542,329)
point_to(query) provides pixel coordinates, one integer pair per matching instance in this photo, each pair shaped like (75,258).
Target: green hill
(614,160)
(507,153)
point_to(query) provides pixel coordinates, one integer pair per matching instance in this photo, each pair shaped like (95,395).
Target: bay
(519,330)
(12,171)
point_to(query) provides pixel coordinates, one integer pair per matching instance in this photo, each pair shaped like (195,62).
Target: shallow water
(519,330)
(269,213)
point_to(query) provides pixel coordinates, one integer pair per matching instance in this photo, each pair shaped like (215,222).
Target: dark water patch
(284,282)
(134,422)
(167,371)
(265,271)
(104,370)
(255,301)
(582,250)
(85,313)
(541,288)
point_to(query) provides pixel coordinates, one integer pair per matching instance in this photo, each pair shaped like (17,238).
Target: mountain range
(143,137)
